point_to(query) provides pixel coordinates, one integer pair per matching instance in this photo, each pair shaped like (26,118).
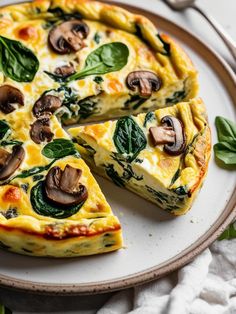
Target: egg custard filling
(64,62)
(162,155)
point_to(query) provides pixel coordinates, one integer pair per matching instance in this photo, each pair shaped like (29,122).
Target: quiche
(50,204)
(99,60)
(162,155)
(64,62)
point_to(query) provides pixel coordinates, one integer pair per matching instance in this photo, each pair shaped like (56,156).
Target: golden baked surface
(99,95)
(123,151)
(66,61)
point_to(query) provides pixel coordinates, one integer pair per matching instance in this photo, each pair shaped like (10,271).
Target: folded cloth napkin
(205,286)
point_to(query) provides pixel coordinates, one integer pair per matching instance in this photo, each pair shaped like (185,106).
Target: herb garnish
(129,138)
(17,61)
(225,150)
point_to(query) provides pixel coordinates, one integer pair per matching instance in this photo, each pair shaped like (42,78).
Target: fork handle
(230,43)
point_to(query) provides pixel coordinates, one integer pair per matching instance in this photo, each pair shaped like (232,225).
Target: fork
(180,5)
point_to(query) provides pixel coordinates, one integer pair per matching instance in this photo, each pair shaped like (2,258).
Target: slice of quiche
(98,61)
(162,156)
(50,204)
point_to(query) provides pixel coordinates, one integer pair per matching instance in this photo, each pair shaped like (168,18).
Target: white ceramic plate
(155,242)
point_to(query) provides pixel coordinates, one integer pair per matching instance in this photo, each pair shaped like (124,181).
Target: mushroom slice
(10,162)
(10,98)
(63,187)
(46,103)
(144,81)
(65,70)
(40,130)
(68,36)
(170,134)
(161,135)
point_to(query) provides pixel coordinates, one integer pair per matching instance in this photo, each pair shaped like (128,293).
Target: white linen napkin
(205,286)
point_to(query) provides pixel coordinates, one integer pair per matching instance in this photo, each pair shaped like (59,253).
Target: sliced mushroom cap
(10,98)
(46,103)
(170,134)
(10,162)
(68,36)
(40,130)
(65,70)
(63,187)
(144,81)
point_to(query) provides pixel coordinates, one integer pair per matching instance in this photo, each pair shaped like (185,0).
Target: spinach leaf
(135,102)
(225,150)
(4,129)
(176,97)
(17,61)
(98,79)
(226,129)
(150,116)
(11,142)
(59,148)
(114,176)
(129,138)
(97,38)
(59,14)
(43,207)
(55,77)
(105,59)
(229,233)
(88,106)
(166,46)
(33,171)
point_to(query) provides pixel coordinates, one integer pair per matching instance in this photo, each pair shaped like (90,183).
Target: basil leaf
(17,61)
(226,152)
(226,129)
(105,59)
(4,128)
(229,233)
(129,138)
(42,207)
(59,148)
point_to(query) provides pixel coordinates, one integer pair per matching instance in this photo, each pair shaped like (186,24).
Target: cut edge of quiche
(51,205)
(162,156)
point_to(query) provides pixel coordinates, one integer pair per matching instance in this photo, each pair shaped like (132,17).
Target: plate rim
(184,257)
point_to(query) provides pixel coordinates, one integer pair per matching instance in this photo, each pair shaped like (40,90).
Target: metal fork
(180,5)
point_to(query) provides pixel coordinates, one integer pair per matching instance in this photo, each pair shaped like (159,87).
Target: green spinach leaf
(11,143)
(33,171)
(59,148)
(129,138)
(229,233)
(4,129)
(17,61)
(43,207)
(135,102)
(166,46)
(176,97)
(114,176)
(150,116)
(226,129)
(105,59)
(97,38)
(225,150)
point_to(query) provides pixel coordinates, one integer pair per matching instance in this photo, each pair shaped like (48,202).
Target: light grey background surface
(224,12)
